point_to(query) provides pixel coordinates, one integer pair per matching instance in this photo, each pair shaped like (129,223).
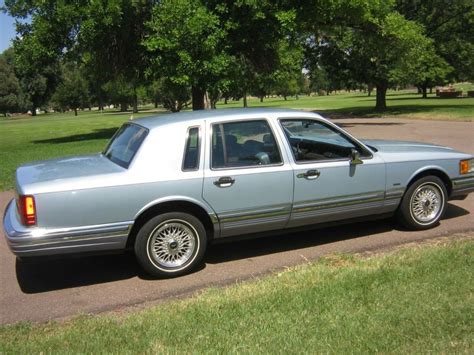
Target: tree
(9,85)
(288,72)
(376,55)
(254,32)
(186,42)
(451,26)
(72,92)
(109,41)
(38,77)
(105,35)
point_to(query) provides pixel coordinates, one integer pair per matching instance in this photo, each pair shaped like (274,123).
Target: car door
(336,177)
(247,180)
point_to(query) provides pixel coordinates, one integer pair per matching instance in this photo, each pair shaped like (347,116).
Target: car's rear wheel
(171,244)
(423,204)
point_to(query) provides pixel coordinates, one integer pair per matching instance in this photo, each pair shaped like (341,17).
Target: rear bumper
(462,186)
(32,241)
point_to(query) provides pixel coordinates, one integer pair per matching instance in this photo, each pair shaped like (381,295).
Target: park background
(76,70)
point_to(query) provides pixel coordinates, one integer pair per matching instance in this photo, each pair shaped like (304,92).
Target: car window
(125,144)
(191,151)
(243,144)
(312,140)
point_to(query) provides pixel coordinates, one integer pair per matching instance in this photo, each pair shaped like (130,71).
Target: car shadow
(43,275)
(104,133)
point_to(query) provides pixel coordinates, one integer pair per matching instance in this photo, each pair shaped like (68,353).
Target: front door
(329,183)
(247,181)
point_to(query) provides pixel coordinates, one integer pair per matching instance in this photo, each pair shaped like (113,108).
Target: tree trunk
(284,96)
(33,110)
(135,101)
(156,103)
(245,100)
(101,104)
(75,111)
(431,89)
(198,98)
(369,90)
(225,100)
(123,106)
(381,103)
(424,90)
(261,98)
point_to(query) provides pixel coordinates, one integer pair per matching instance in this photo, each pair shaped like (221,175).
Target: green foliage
(186,43)
(451,26)
(224,48)
(72,92)
(9,85)
(393,51)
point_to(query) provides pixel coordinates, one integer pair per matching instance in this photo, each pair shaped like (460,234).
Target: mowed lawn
(415,300)
(55,135)
(356,104)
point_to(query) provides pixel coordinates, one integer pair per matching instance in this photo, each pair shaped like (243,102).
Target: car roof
(196,117)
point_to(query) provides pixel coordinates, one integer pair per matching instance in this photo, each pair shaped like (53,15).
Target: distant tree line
(71,55)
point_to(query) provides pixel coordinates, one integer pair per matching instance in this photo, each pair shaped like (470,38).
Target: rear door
(247,180)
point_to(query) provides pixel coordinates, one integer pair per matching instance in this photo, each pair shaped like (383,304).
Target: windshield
(125,144)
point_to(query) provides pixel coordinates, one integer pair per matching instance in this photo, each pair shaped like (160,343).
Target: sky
(7,30)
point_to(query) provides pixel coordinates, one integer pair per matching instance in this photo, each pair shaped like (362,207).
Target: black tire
(423,204)
(171,244)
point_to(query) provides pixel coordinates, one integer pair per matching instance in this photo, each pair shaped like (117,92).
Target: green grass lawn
(417,300)
(400,104)
(55,135)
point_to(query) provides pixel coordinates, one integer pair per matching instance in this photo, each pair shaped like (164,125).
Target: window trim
(349,138)
(249,166)
(116,161)
(198,164)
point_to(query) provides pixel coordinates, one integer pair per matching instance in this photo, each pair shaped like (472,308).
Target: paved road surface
(59,288)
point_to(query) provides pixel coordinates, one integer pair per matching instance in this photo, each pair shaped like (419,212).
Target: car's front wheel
(171,244)
(423,204)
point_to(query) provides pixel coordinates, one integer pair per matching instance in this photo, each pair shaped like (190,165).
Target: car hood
(406,151)
(404,146)
(55,174)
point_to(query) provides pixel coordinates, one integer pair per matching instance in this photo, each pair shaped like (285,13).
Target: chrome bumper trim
(462,186)
(33,241)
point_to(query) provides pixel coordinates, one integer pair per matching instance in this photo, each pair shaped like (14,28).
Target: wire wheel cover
(426,203)
(172,243)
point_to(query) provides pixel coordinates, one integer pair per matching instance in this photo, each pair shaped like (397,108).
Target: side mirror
(355,157)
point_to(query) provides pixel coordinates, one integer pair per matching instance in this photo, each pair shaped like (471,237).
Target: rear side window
(125,144)
(243,144)
(191,150)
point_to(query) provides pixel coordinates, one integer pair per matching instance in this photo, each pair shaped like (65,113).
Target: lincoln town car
(167,186)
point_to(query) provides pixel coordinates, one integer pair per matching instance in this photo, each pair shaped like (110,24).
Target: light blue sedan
(166,186)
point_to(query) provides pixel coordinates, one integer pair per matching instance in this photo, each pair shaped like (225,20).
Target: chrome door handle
(310,174)
(225,181)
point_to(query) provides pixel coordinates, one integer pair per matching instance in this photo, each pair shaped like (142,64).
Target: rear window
(125,144)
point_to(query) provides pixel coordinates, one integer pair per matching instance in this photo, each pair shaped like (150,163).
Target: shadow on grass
(104,133)
(46,274)
(346,125)
(370,112)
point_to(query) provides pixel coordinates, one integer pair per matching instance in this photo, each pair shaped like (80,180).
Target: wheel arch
(432,171)
(178,205)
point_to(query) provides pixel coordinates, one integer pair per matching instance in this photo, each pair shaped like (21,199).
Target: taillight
(27,210)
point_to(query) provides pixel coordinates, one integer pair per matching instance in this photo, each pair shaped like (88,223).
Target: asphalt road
(53,289)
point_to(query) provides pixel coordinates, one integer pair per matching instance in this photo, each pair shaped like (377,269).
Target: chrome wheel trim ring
(426,203)
(172,245)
